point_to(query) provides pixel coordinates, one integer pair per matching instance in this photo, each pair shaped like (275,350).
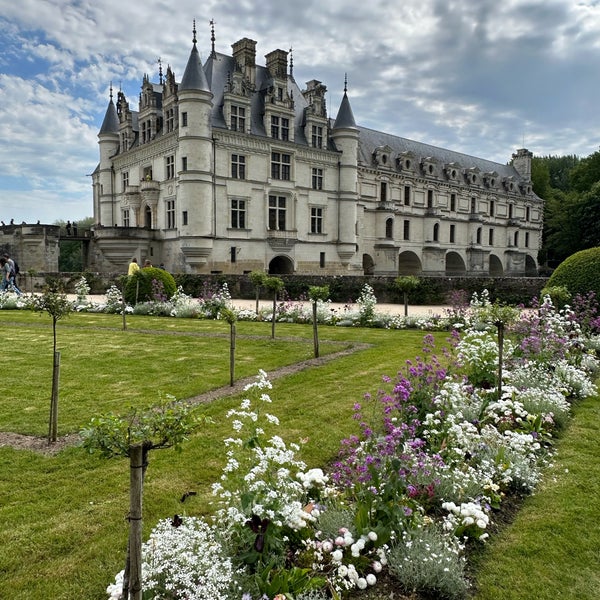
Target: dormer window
(472,176)
(382,156)
(490,179)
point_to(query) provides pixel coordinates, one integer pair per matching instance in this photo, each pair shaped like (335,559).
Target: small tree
(316,294)
(405,285)
(55,303)
(274,285)
(228,314)
(134,435)
(258,279)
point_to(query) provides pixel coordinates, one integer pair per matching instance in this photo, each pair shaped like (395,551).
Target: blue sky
(482,77)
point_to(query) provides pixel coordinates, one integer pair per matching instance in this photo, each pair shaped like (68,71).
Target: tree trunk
(231,353)
(136,485)
(315,329)
(500,356)
(273,317)
(53,423)
(405,304)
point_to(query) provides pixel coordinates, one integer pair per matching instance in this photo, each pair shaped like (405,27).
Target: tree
(405,285)
(55,303)
(228,314)
(274,285)
(134,435)
(316,294)
(258,279)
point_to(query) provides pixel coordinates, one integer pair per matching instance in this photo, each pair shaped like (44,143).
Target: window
(184,119)
(275,127)
(436,232)
(527,239)
(233,253)
(492,208)
(238,166)
(478,236)
(389,228)
(527,213)
(429,198)
(452,202)
(317,179)
(407,195)
(491,237)
(317,136)
(285,128)
(170,120)
(238,118)
(406,230)
(510,211)
(125,180)
(184,217)
(277,209)
(383,191)
(124,142)
(184,163)
(452,233)
(316,220)
(516,239)
(170,165)
(473,205)
(125,217)
(238,214)
(280,165)
(170,214)
(322,260)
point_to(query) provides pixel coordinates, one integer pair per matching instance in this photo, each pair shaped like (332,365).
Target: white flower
(371,579)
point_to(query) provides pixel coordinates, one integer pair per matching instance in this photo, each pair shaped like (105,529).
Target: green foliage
(318,292)
(166,424)
(258,278)
(407,283)
(579,273)
(140,288)
(559,295)
(274,284)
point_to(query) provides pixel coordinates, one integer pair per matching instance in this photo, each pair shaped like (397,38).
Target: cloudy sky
(483,77)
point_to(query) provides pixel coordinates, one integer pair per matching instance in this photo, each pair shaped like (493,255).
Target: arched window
(436,232)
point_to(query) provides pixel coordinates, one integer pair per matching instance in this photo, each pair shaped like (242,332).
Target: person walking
(133,267)
(8,279)
(68,227)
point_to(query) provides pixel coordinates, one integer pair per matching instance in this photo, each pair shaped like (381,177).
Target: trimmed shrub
(579,273)
(149,284)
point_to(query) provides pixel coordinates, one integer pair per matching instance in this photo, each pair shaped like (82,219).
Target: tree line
(570,186)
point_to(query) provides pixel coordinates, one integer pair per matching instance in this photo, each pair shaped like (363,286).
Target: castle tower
(108,142)
(195,160)
(521,161)
(345,136)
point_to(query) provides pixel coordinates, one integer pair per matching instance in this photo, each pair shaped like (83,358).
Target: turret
(195,147)
(108,142)
(345,136)
(521,161)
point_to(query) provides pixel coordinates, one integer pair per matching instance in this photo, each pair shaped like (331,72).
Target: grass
(63,527)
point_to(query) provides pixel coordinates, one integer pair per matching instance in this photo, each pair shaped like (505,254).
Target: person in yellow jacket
(133,266)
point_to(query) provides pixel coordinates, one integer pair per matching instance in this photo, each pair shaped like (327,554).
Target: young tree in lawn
(316,294)
(228,314)
(274,285)
(134,435)
(405,285)
(55,303)
(258,279)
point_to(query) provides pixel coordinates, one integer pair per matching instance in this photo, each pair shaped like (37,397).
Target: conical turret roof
(345,116)
(111,119)
(194,77)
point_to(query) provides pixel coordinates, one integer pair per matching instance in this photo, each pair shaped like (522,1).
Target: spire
(213,53)
(193,76)
(345,117)
(291,64)
(111,119)
(160,73)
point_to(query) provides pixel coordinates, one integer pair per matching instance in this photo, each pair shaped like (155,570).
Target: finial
(345,82)
(212,38)
(111,92)
(194,31)
(291,63)
(160,74)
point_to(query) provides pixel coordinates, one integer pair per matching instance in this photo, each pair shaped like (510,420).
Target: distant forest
(570,187)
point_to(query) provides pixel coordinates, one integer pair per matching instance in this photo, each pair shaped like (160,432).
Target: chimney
(244,55)
(521,161)
(277,64)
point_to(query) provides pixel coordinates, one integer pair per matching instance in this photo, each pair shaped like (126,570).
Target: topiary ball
(579,273)
(149,284)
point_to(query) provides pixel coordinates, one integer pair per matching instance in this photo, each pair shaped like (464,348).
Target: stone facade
(236,168)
